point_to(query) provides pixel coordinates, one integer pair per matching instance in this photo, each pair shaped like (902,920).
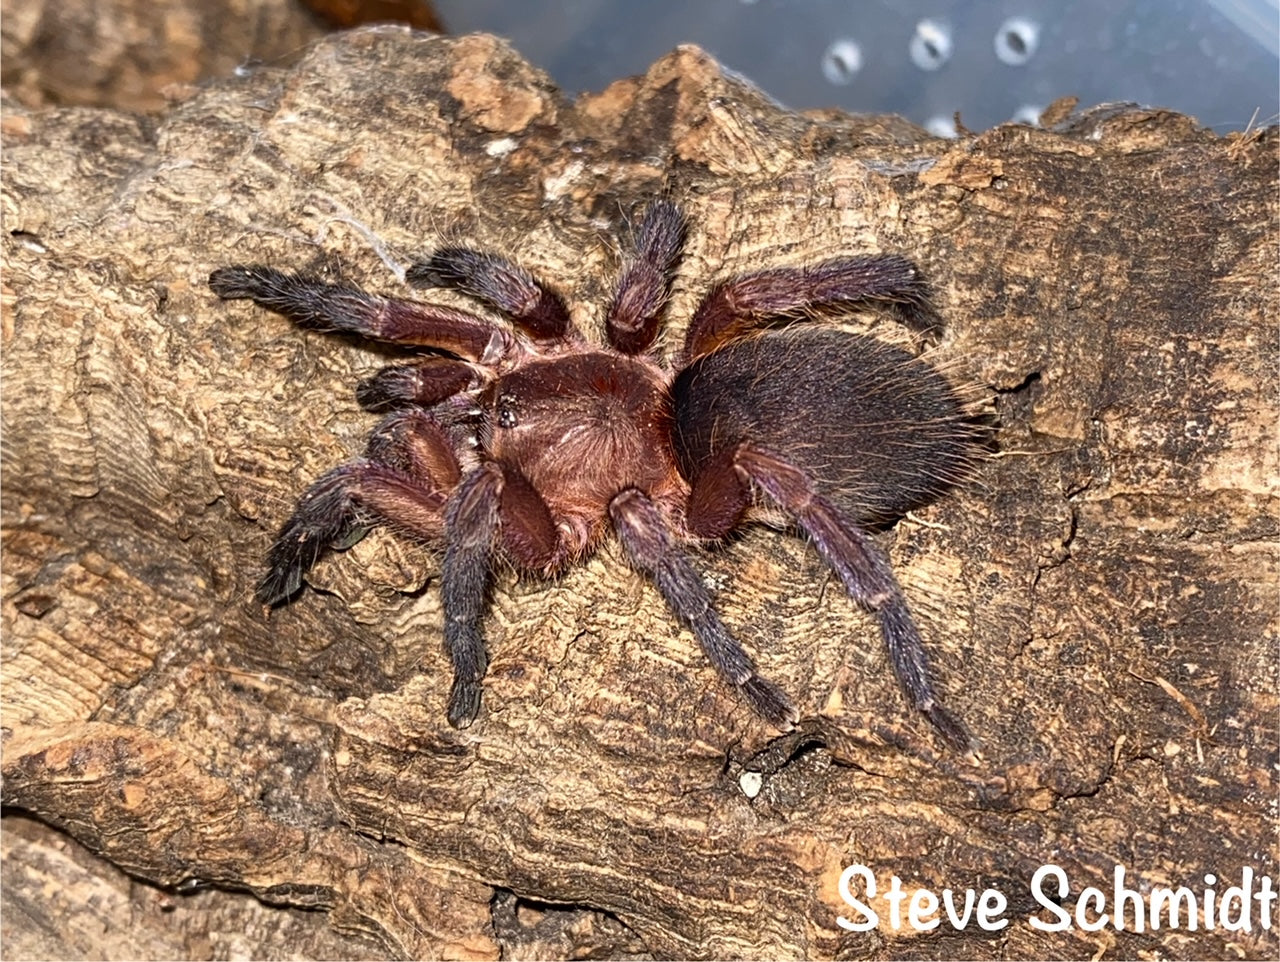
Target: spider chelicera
(528,442)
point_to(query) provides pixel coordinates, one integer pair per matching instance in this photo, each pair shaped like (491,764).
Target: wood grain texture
(142,56)
(1100,606)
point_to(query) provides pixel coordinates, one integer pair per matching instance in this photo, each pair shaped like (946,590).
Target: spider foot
(769,701)
(279,584)
(324,517)
(950,727)
(464,702)
(470,662)
(471,525)
(240,281)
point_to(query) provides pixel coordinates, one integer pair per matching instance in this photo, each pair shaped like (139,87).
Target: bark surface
(1100,607)
(138,55)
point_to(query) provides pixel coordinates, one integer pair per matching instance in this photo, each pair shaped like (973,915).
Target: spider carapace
(525,441)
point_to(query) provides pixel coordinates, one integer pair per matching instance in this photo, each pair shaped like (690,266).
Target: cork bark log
(138,55)
(1100,605)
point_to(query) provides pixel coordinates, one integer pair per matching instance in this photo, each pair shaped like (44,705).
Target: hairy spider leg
(424,382)
(471,527)
(494,504)
(647,541)
(529,533)
(861,566)
(532,306)
(315,304)
(748,301)
(413,442)
(645,283)
(403,480)
(718,497)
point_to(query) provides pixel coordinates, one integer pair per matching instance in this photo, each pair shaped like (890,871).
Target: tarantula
(528,442)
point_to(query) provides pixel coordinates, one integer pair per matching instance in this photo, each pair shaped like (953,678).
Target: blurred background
(991,60)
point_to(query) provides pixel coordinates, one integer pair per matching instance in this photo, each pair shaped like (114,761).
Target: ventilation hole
(841,62)
(930,45)
(1016,41)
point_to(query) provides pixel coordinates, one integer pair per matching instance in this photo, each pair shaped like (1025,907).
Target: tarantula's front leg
(471,526)
(860,565)
(647,541)
(740,304)
(403,480)
(645,284)
(424,382)
(312,303)
(504,286)
(494,504)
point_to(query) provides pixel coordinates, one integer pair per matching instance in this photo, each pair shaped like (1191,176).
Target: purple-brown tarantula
(530,443)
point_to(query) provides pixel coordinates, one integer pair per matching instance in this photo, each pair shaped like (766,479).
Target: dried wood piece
(1109,283)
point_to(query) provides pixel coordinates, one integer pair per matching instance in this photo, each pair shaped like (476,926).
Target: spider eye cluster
(508,416)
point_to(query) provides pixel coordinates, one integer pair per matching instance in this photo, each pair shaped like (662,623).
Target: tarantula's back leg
(402,480)
(312,303)
(645,284)
(721,495)
(743,303)
(842,431)
(865,572)
(647,541)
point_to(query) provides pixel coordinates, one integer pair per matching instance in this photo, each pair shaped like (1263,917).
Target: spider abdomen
(878,430)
